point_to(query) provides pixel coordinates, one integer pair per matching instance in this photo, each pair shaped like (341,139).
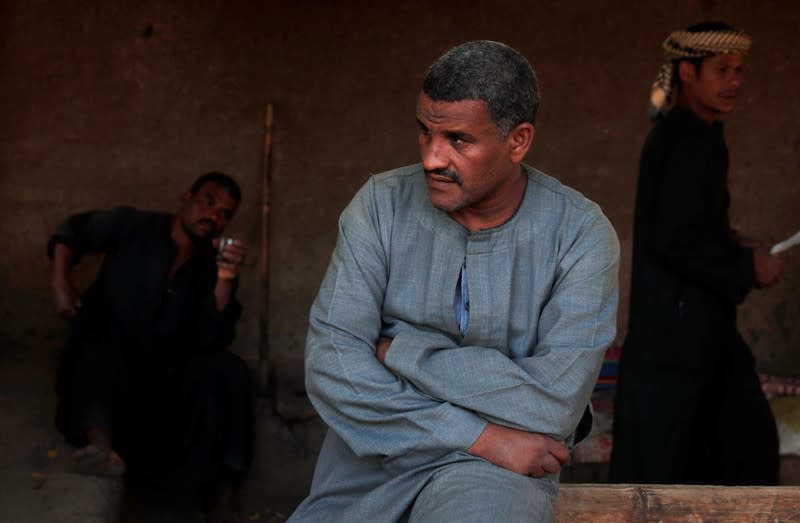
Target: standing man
(689,406)
(146,383)
(462,322)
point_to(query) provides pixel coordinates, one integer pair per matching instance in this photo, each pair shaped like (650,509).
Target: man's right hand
(526,453)
(66,298)
(768,268)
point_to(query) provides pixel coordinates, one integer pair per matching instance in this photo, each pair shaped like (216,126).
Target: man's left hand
(381,348)
(230,258)
(768,267)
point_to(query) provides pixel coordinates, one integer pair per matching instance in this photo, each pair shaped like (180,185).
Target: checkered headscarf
(685,44)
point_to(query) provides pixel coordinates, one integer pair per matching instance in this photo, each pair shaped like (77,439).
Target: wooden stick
(263,352)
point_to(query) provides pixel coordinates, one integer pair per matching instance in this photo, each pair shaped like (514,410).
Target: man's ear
(686,71)
(519,141)
(187,197)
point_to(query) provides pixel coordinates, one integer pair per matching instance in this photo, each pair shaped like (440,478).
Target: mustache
(447,173)
(206,220)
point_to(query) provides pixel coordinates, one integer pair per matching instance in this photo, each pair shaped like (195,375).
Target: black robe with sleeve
(689,408)
(147,356)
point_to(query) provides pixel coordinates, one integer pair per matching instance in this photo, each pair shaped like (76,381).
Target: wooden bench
(599,503)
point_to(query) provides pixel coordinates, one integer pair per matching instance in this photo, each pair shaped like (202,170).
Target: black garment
(689,407)
(147,357)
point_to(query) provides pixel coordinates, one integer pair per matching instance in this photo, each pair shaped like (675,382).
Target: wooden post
(606,503)
(263,273)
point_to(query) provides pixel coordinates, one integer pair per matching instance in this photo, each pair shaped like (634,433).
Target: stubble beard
(451,205)
(199,238)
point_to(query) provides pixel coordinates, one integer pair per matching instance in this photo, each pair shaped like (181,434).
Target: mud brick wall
(106,103)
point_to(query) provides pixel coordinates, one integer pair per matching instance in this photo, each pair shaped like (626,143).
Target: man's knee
(479,491)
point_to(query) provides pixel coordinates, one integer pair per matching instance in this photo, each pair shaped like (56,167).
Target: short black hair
(491,72)
(227,183)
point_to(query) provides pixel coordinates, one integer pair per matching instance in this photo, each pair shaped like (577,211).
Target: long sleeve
(92,231)
(374,411)
(546,391)
(690,233)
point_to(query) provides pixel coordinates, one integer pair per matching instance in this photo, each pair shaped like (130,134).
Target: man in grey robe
(462,322)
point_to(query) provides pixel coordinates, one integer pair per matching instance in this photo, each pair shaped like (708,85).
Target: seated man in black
(146,384)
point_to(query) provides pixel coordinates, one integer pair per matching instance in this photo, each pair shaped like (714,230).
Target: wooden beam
(596,503)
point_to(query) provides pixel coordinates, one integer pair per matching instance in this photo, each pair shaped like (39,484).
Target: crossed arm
(381,414)
(518,422)
(546,391)
(526,453)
